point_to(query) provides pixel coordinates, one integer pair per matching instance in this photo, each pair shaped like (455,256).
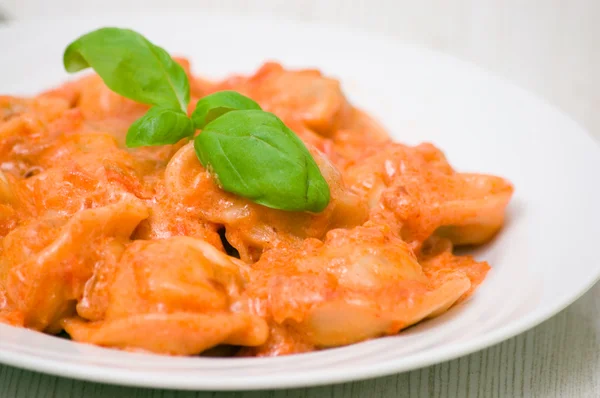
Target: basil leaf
(255,155)
(159,126)
(214,105)
(131,66)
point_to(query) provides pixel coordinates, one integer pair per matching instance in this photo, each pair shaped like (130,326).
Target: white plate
(544,259)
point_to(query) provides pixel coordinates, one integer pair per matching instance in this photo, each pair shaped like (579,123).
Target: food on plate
(146,209)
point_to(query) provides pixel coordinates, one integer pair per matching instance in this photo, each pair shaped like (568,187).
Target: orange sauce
(139,249)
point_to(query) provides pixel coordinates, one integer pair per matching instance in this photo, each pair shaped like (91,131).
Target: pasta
(140,249)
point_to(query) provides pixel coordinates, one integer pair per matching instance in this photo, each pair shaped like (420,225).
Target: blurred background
(550,47)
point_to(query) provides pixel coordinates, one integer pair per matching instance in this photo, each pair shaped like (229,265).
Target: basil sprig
(250,152)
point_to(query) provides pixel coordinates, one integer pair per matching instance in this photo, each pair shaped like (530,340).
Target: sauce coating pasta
(140,249)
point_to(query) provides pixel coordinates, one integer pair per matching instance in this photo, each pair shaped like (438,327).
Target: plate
(543,260)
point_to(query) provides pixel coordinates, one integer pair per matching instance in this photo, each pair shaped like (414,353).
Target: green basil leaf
(159,126)
(255,155)
(131,66)
(214,105)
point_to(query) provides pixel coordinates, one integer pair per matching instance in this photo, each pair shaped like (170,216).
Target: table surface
(547,46)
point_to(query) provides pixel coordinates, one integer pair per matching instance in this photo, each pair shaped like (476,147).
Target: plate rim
(101,374)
